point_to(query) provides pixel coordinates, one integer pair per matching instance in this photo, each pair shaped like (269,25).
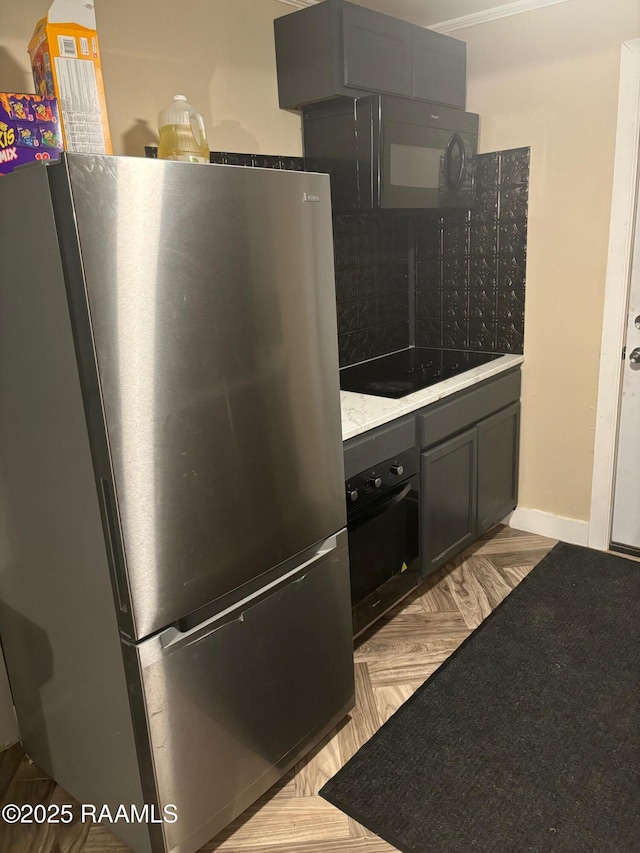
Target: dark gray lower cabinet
(498,444)
(449,498)
(469,445)
(468,483)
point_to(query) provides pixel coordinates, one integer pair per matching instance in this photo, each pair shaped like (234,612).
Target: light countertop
(362,412)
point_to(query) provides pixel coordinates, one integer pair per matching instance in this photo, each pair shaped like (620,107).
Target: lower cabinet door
(448,493)
(231,704)
(498,442)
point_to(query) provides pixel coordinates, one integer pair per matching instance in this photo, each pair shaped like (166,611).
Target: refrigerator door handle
(172,638)
(113,546)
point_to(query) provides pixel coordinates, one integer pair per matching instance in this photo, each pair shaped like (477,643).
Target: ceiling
(430,13)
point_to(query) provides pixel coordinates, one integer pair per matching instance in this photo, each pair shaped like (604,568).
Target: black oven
(384,152)
(383,520)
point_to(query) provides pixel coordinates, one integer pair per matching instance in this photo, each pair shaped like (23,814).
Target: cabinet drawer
(467,408)
(368,450)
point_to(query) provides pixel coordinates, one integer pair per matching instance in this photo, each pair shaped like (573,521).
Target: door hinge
(624,353)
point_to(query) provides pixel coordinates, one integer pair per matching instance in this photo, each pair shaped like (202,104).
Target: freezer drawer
(234,702)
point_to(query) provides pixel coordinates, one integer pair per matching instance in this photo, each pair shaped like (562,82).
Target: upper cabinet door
(377,52)
(336,48)
(439,68)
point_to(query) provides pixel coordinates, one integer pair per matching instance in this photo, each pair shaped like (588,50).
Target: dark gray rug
(528,737)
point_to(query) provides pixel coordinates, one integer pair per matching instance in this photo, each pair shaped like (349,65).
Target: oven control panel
(387,475)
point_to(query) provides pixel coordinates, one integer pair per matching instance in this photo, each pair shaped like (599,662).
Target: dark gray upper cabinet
(439,68)
(340,49)
(377,51)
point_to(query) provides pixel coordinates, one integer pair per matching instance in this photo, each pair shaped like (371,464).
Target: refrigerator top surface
(210,308)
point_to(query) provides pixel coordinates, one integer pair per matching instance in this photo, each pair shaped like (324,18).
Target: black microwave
(384,153)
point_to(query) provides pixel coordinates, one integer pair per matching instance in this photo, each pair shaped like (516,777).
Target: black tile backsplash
(513,166)
(481,262)
(469,270)
(231,158)
(369,343)
(487,169)
(372,256)
(429,332)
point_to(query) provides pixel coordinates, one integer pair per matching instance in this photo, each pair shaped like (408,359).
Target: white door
(626,503)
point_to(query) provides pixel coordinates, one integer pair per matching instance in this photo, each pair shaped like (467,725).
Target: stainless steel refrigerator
(174,589)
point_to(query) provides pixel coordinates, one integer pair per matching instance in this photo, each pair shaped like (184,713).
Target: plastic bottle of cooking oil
(182,133)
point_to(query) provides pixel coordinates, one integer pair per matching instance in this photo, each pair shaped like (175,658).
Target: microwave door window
(412,165)
(415,166)
(424,167)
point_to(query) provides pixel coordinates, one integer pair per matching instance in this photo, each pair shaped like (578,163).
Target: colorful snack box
(65,61)
(43,112)
(29,130)
(49,138)
(19,109)
(27,136)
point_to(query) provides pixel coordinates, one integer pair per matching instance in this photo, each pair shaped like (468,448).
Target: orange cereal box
(65,60)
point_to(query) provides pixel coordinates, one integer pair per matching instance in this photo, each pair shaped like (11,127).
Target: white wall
(220,53)
(549,79)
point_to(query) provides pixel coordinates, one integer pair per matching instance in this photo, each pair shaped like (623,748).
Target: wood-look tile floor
(391,660)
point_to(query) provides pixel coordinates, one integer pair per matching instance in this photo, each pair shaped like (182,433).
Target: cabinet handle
(119,576)
(454,182)
(179,634)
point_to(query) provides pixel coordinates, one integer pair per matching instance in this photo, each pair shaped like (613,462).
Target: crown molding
(300,4)
(494,14)
(506,10)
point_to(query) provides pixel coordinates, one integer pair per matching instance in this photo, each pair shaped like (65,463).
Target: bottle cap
(179,111)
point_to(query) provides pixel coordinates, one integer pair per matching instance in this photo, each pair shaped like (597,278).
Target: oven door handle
(366,513)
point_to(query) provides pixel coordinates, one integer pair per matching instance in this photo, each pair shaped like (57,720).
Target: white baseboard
(570,530)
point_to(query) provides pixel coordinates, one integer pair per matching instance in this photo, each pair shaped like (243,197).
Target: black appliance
(383,520)
(385,152)
(400,373)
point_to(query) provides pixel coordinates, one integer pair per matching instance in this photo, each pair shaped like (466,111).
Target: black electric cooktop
(409,370)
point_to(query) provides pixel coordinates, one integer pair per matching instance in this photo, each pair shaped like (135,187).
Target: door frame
(618,278)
